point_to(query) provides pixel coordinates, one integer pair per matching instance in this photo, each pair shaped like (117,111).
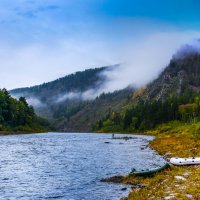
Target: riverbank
(21,132)
(180,140)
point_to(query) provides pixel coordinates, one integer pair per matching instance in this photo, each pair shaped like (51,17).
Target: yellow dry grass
(180,140)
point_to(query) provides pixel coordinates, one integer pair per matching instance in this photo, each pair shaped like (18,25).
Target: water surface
(69,166)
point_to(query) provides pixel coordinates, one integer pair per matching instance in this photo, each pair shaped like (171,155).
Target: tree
(188,111)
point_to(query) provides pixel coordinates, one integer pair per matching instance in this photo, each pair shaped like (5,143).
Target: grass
(179,139)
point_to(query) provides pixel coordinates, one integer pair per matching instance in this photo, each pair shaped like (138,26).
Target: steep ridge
(182,74)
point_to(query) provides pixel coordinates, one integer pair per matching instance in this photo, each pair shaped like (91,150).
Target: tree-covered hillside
(17,115)
(79,82)
(174,95)
(91,112)
(64,95)
(67,101)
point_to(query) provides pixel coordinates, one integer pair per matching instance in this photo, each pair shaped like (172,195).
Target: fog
(145,60)
(141,61)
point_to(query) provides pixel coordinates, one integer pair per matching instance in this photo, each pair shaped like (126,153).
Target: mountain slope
(70,103)
(49,92)
(183,73)
(93,111)
(174,95)
(50,99)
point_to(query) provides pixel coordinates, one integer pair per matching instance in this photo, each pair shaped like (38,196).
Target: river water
(69,166)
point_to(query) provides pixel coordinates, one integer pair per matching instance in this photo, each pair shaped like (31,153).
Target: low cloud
(140,61)
(89,94)
(39,63)
(35,102)
(145,59)
(68,96)
(187,49)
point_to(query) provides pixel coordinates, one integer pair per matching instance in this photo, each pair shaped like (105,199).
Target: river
(69,166)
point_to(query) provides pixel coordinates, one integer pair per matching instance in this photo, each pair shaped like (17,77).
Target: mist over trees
(174,95)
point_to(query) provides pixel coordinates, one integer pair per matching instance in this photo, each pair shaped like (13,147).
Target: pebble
(189,196)
(177,185)
(182,187)
(186,174)
(169,197)
(180,178)
(124,198)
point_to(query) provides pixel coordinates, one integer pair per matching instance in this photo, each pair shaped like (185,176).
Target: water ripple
(68,165)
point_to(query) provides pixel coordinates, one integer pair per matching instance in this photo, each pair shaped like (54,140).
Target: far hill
(49,93)
(75,102)
(94,111)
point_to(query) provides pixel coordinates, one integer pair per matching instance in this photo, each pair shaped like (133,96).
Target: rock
(123,189)
(138,186)
(143,147)
(169,197)
(182,187)
(114,179)
(177,185)
(123,138)
(189,196)
(186,174)
(180,178)
(124,198)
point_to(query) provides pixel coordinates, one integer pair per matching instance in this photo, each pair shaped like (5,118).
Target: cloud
(146,58)
(33,101)
(43,40)
(68,96)
(89,94)
(38,63)
(187,49)
(142,60)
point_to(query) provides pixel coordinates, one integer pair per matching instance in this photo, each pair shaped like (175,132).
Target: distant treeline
(145,115)
(17,115)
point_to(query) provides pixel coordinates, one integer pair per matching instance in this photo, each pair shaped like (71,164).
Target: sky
(43,40)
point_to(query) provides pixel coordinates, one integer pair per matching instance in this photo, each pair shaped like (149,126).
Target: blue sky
(173,11)
(63,36)
(34,20)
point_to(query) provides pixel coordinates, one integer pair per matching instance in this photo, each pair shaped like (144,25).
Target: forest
(17,115)
(146,115)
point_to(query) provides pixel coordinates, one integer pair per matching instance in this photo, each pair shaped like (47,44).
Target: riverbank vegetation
(18,116)
(147,115)
(176,125)
(178,182)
